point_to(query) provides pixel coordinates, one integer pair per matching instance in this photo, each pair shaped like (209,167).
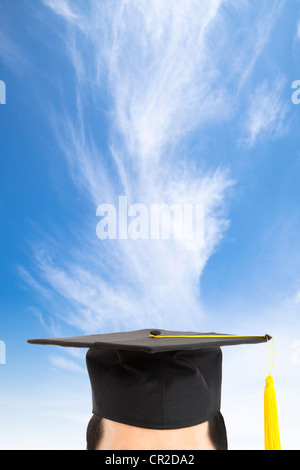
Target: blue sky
(189,101)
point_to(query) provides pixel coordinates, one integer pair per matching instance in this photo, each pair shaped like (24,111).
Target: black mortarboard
(155,378)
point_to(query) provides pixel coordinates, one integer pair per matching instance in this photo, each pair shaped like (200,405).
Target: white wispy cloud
(267,112)
(257,38)
(169,86)
(63,8)
(66,364)
(161,64)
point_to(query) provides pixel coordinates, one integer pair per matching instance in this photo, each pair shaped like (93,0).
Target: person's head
(163,386)
(104,434)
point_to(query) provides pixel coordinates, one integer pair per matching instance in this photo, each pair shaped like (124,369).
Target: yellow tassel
(272,437)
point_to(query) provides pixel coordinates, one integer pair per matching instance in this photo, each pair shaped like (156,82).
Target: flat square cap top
(153,340)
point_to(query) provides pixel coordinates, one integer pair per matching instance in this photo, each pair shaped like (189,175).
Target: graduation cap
(163,379)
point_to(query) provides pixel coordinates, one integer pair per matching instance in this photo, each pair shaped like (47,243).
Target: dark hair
(216,429)
(217,432)
(94,432)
